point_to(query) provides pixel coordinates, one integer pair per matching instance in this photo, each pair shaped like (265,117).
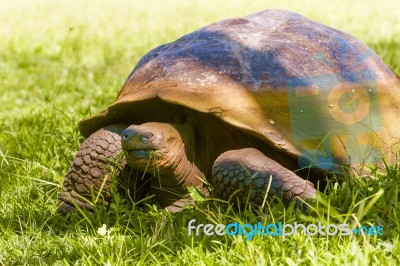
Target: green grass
(62,61)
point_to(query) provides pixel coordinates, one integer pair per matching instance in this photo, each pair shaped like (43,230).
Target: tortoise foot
(98,159)
(250,176)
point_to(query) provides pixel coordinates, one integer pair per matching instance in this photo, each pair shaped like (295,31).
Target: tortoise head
(152,144)
(159,149)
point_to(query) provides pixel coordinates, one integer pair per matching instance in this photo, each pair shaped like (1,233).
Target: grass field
(61,61)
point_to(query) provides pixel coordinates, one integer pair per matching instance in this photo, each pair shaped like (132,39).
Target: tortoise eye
(146,136)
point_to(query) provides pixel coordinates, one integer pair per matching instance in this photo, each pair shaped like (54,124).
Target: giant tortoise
(267,104)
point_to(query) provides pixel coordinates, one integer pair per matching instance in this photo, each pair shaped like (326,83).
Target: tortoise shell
(306,90)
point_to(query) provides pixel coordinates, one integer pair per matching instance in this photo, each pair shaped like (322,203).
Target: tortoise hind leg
(248,171)
(98,158)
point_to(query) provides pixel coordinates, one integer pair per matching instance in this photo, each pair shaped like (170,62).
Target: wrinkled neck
(186,172)
(178,169)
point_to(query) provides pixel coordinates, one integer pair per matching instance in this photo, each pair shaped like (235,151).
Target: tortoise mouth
(139,153)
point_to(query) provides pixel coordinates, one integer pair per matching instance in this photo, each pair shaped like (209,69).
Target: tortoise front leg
(98,158)
(249,172)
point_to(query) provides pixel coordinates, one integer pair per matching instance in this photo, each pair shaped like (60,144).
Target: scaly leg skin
(178,205)
(248,171)
(98,157)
